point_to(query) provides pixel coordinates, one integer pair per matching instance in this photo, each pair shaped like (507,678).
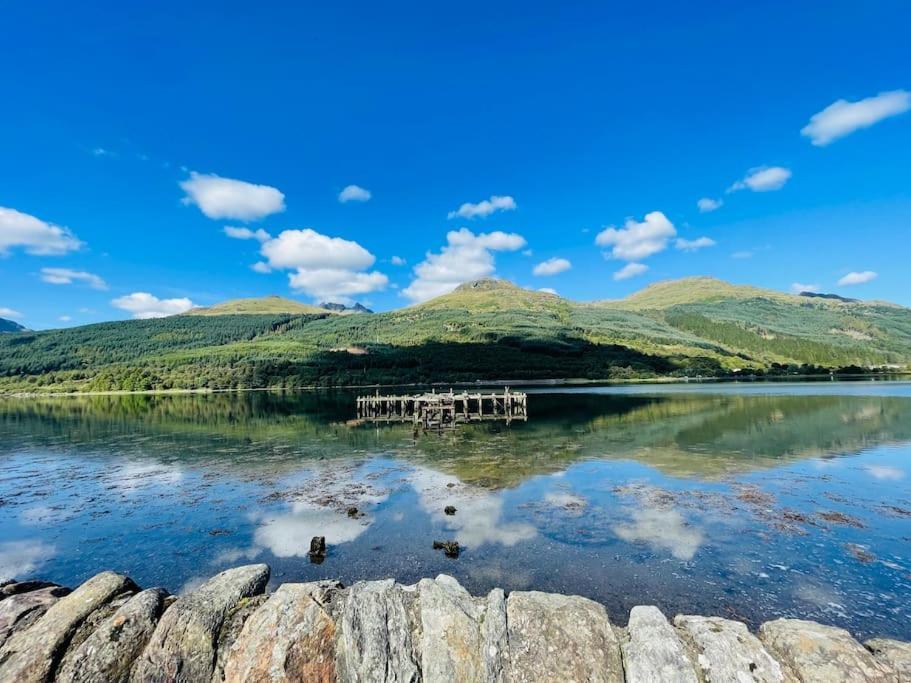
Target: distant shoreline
(562,382)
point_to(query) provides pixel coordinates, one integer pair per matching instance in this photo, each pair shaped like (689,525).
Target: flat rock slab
(109,652)
(822,654)
(726,651)
(290,637)
(375,640)
(20,610)
(560,638)
(895,654)
(652,650)
(184,645)
(32,654)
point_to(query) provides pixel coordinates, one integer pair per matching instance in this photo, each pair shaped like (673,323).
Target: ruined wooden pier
(443,409)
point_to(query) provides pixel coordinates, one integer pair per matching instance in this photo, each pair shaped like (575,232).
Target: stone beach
(230,629)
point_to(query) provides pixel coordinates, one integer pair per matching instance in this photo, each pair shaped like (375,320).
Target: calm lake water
(751,501)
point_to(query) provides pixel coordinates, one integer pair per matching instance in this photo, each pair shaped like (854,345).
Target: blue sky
(591,132)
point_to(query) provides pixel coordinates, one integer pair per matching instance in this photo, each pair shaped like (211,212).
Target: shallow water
(750,501)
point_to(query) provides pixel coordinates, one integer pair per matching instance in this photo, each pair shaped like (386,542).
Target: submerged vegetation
(486,330)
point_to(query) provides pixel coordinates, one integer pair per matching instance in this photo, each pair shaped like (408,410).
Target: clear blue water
(751,501)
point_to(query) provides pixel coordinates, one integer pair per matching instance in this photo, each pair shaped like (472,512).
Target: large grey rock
(496,637)
(231,630)
(894,654)
(184,644)
(16,587)
(32,654)
(822,654)
(726,651)
(291,637)
(652,650)
(451,640)
(20,610)
(375,641)
(107,654)
(560,638)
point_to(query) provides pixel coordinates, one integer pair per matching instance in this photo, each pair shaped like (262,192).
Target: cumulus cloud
(261,267)
(858,278)
(397,261)
(800,287)
(219,197)
(707,204)
(842,117)
(143,305)
(552,266)
(465,257)
(354,193)
(630,270)
(635,240)
(66,276)
(247,234)
(694,245)
(548,290)
(324,267)
(485,207)
(762,179)
(742,254)
(9,313)
(34,235)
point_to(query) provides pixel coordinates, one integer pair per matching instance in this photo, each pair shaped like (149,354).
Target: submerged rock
(727,651)
(108,653)
(449,509)
(822,653)
(560,638)
(317,549)
(652,650)
(183,646)
(449,548)
(32,654)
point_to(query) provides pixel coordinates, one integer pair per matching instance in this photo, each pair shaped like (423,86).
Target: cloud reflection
(20,558)
(662,528)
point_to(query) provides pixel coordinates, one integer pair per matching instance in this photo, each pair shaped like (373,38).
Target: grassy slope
(489,329)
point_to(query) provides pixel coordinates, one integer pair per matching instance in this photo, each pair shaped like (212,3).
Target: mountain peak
(10,326)
(486,284)
(263,305)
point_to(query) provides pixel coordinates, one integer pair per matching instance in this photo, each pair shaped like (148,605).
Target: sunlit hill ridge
(483,330)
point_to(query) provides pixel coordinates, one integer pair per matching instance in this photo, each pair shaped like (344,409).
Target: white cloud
(694,245)
(325,267)
(800,287)
(485,207)
(35,236)
(247,234)
(742,254)
(548,290)
(635,241)
(219,197)
(552,266)
(630,270)
(102,152)
(9,313)
(353,193)
(261,267)
(707,204)
(465,257)
(763,179)
(143,305)
(66,276)
(842,117)
(858,278)
(65,318)
(397,261)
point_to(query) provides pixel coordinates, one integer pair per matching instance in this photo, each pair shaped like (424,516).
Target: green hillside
(484,330)
(266,305)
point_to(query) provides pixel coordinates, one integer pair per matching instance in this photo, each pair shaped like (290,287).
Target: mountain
(342,308)
(488,329)
(10,326)
(267,305)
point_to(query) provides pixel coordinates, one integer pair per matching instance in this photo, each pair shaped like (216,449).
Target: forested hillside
(484,330)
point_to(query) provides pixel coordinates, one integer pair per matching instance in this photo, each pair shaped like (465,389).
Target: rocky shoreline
(229,629)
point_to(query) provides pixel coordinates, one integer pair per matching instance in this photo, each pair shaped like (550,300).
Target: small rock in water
(353,511)
(449,548)
(317,549)
(449,510)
